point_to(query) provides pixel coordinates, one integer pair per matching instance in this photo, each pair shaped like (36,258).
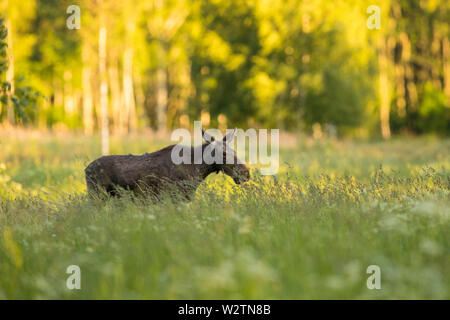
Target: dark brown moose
(156,173)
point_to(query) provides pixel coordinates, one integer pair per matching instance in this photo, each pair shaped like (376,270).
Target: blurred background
(302,66)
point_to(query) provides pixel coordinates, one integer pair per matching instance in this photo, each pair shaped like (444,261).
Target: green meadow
(310,232)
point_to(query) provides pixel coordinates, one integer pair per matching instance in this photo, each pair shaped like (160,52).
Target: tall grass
(310,232)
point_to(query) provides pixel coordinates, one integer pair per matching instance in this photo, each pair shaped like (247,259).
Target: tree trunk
(401,78)
(88,119)
(58,100)
(446,62)
(129,114)
(103,89)
(10,75)
(116,95)
(435,66)
(384,89)
(140,97)
(161,87)
(69,103)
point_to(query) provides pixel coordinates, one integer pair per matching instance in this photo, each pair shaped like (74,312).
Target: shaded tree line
(289,64)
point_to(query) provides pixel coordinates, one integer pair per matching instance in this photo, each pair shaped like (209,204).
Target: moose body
(156,173)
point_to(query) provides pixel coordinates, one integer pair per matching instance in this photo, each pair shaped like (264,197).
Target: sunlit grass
(335,208)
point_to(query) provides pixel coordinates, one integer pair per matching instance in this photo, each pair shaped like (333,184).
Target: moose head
(224,158)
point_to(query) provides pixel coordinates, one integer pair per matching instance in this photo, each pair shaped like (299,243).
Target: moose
(155,173)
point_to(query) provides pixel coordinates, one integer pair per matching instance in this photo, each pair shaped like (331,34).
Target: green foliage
(285,64)
(25,98)
(4,86)
(434,115)
(26,101)
(3,46)
(221,60)
(337,101)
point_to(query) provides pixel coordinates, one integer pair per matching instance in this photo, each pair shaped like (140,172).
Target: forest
(310,66)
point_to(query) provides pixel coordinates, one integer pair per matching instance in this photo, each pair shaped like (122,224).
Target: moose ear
(208,138)
(229,137)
